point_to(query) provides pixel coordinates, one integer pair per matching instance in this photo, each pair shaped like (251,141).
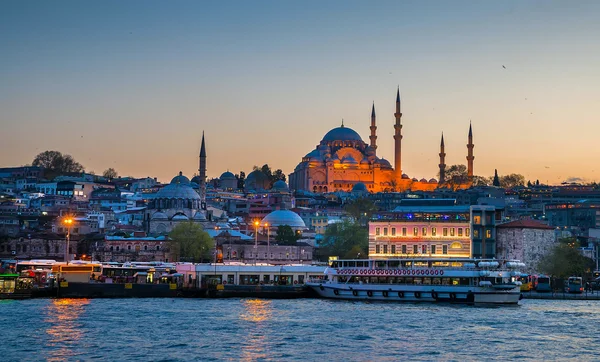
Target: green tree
(565,260)
(189,242)
(110,173)
(56,163)
(286,235)
(272,176)
(361,209)
(345,239)
(481,181)
(512,180)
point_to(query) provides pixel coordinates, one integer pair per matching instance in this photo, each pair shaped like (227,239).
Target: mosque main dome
(342,134)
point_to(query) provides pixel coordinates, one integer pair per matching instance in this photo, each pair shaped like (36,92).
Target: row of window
(424,231)
(416,249)
(129,248)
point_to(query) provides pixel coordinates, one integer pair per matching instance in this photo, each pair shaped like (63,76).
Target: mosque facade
(342,160)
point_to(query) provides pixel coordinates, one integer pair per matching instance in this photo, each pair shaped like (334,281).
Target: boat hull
(261,291)
(407,293)
(115,290)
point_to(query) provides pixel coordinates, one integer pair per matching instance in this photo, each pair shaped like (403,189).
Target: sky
(132,85)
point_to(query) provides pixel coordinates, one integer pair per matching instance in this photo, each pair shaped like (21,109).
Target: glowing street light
(256,223)
(68,222)
(268,242)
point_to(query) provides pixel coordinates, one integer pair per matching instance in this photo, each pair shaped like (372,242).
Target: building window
(415,249)
(393,249)
(403,249)
(385,249)
(157,247)
(445,231)
(393,231)
(424,232)
(403,231)
(118,248)
(444,249)
(424,249)
(385,231)
(432,249)
(376,249)
(467,232)
(416,231)
(145,247)
(477,219)
(456,245)
(488,234)
(128,247)
(451,231)
(475,233)
(377,231)
(460,231)
(433,231)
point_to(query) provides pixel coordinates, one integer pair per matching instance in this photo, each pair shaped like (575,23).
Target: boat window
(334,264)
(427,281)
(380,264)
(394,263)
(418,281)
(445,281)
(351,263)
(435,281)
(409,280)
(406,264)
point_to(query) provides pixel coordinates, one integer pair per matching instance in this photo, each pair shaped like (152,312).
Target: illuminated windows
(444,249)
(451,231)
(416,231)
(403,231)
(433,231)
(403,249)
(445,231)
(377,231)
(393,231)
(460,232)
(385,231)
(424,232)
(467,232)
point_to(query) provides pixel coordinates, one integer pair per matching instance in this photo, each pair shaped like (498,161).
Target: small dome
(284,217)
(314,154)
(196,180)
(405,176)
(383,162)
(349,160)
(180,179)
(433,181)
(342,134)
(227,176)
(179,217)
(256,180)
(280,186)
(364,161)
(415,179)
(199,216)
(159,216)
(423,180)
(359,187)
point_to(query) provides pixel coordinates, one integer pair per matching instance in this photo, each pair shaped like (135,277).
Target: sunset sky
(132,85)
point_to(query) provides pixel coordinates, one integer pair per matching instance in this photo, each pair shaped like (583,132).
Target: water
(300,330)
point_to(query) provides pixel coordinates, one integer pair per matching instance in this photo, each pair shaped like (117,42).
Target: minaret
(398,141)
(373,136)
(442,161)
(470,157)
(202,174)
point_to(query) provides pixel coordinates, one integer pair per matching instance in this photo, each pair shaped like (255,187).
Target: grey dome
(180,217)
(227,176)
(256,180)
(284,217)
(199,215)
(349,160)
(359,187)
(342,134)
(159,216)
(280,186)
(196,179)
(314,154)
(180,179)
(179,188)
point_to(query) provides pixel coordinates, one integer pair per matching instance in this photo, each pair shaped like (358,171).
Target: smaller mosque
(342,160)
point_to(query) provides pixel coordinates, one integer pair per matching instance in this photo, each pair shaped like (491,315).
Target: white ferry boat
(473,281)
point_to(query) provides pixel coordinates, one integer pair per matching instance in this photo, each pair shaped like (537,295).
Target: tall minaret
(398,142)
(202,174)
(470,157)
(442,161)
(373,136)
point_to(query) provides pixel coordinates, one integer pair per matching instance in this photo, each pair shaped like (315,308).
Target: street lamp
(68,222)
(268,243)
(255,241)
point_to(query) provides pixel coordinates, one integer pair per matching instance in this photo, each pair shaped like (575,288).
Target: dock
(595,295)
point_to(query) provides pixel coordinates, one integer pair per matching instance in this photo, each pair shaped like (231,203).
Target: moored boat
(15,286)
(471,281)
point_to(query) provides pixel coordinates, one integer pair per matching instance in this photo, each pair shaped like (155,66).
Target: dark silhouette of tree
(286,235)
(565,260)
(241,179)
(361,209)
(271,176)
(512,180)
(189,242)
(110,173)
(56,163)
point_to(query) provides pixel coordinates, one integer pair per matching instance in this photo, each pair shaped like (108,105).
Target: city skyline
(133,85)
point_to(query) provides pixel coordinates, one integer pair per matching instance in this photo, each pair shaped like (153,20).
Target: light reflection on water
(300,330)
(64,329)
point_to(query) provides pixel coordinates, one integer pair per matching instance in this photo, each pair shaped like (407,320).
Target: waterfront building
(138,247)
(576,216)
(483,231)
(525,240)
(342,159)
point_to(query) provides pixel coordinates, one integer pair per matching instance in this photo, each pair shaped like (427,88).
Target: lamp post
(268,243)
(255,241)
(68,222)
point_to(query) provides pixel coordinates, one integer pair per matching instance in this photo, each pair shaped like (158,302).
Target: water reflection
(254,345)
(64,331)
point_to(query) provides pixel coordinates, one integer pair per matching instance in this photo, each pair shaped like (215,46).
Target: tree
(271,176)
(345,239)
(481,181)
(110,173)
(278,175)
(57,163)
(240,180)
(565,260)
(361,209)
(286,235)
(189,242)
(512,180)
(456,175)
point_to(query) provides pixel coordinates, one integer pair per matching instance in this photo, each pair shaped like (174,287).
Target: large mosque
(342,160)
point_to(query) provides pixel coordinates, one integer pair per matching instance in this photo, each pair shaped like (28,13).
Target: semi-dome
(280,185)
(405,176)
(180,217)
(349,160)
(433,181)
(180,179)
(199,216)
(159,216)
(342,134)
(415,179)
(359,187)
(284,217)
(423,180)
(227,176)
(314,154)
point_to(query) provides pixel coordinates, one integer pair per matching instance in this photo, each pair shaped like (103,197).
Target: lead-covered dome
(342,134)
(227,176)
(284,217)
(179,188)
(280,185)
(180,179)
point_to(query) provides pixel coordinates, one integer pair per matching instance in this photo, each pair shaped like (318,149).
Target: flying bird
(503,67)
(547,166)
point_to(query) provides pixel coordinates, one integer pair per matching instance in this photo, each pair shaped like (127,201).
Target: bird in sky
(547,166)
(503,66)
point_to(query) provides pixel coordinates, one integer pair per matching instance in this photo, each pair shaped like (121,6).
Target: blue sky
(132,85)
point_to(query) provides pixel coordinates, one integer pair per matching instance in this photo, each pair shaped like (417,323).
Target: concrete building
(525,240)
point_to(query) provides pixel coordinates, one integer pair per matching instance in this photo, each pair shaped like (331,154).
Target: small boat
(15,286)
(469,281)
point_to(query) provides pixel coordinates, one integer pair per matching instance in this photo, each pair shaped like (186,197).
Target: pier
(595,295)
